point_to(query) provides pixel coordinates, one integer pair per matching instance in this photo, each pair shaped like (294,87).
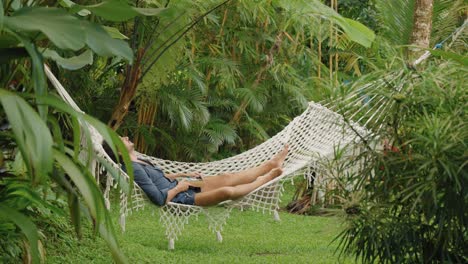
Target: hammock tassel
(171,244)
(219,236)
(276,216)
(122,222)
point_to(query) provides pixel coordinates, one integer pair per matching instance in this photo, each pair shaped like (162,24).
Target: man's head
(128,144)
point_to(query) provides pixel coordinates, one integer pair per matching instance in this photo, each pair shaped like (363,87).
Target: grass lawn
(248,237)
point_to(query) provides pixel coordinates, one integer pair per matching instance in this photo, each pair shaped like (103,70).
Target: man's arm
(181,186)
(174,176)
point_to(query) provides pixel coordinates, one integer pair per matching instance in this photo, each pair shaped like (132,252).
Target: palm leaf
(27,227)
(31,134)
(396,19)
(108,134)
(94,200)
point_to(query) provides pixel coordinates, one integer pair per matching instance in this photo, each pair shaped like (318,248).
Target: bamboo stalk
(193,56)
(336,53)
(319,70)
(146,116)
(330,56)
(152,116)
(311,42)
(222,25)
(296,42)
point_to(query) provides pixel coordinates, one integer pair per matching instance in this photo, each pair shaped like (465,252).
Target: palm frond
(396,20)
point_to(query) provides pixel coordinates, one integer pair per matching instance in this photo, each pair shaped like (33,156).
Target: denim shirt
(152,181)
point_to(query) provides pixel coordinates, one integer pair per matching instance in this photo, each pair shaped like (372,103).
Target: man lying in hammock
(163,188)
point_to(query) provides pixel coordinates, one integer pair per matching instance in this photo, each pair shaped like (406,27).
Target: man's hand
(196,175)
(182,186)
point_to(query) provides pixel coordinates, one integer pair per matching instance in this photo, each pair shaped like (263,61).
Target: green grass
(249,237)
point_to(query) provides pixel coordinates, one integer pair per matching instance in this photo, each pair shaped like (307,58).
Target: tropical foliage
(229,88)
(195,97)
(412,185)
(400,191)
(42,158)
(413,190)
(202,80)
(41,135)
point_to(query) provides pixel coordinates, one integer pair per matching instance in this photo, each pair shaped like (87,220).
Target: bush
(415,198)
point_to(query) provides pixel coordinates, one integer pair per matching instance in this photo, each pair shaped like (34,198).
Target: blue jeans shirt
(152,181)
(156,185)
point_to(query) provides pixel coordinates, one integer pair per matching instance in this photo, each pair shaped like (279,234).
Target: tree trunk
(127,93)
(422,26)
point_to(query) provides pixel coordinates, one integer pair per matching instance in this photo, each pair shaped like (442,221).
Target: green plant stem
(154,39)
(152,34)
(13,73)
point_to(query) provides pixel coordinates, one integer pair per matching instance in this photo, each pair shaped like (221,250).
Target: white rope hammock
(311,136)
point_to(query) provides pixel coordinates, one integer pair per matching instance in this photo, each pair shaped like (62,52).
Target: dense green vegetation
(202,80)
(411,192)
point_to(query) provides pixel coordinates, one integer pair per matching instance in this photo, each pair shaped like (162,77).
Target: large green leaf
(26,226)
(356,31)
(63,29)
(103,44)
(117,11)
(115,33)
(113,10)
(72,63)
(37,74)
(31,134)
(67,31)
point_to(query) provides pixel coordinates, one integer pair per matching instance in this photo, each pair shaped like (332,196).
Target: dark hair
(111,154)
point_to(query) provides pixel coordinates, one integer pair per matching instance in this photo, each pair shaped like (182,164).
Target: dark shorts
(187,197)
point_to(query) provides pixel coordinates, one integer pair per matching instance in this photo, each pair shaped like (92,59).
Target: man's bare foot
(274,173)
(271,175)
(279,158)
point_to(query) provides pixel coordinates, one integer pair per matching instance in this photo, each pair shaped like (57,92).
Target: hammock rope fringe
(311,136)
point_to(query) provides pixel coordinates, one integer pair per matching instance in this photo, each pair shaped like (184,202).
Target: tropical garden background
(205,80)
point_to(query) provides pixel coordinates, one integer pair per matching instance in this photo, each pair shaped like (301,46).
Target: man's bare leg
(245,176)
(218,195)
